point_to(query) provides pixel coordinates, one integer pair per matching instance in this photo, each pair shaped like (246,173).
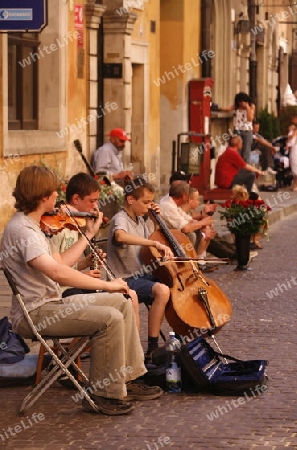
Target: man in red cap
(108,158)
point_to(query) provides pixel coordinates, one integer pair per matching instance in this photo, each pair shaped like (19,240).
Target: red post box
(199,122)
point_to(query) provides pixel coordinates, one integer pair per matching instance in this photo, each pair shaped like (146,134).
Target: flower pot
(242,245)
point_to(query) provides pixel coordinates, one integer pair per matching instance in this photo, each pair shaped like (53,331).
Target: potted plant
(244,218)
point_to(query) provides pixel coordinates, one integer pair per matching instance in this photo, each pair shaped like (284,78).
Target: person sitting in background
(176,178)
(181,176)
(175,217)
(265,148)
(108,158)
(193,203)
(209,209)
(231,169)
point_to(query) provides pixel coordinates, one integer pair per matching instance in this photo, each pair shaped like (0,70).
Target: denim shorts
(143,286)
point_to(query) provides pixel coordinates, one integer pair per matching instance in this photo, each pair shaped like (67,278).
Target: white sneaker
(271,171)
(253,255)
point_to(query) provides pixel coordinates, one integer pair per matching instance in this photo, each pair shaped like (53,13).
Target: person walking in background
(108,158)
(292,148)
(244,113)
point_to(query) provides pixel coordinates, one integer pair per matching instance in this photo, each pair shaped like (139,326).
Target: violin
(196,302)
(54,222)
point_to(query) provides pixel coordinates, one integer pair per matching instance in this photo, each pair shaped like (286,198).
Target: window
(23,81)
(35,85)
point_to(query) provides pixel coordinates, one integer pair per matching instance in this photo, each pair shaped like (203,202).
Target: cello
(197,304)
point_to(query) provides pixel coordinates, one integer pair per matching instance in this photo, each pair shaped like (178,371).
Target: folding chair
(60,364)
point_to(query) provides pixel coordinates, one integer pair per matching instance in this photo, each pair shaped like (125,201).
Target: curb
(279,212)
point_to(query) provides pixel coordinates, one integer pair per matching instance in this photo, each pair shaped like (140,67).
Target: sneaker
(108,406)
(141,391)
(253,255)
(67,383)
(64,380)
(243,268)
(271,171)
(207,267)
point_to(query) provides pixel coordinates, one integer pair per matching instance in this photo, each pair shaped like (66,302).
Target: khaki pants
(116,353)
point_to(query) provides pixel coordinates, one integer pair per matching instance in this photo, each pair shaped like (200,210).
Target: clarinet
(96,263)
(102,261)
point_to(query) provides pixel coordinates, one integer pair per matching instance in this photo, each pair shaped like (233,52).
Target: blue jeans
(247,141)
(143,286)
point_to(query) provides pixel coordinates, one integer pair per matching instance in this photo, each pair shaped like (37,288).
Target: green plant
(286,118)
(245,217)
(109,192)
(269,124)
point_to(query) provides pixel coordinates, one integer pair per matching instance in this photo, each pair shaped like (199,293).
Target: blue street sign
(23,15)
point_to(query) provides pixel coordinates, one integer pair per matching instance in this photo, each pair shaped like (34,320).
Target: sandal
(258,245)
(255,246)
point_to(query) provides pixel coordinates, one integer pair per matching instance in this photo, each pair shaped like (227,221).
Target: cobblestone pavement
(261,328)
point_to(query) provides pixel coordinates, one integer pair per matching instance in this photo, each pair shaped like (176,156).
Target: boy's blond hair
(240,193)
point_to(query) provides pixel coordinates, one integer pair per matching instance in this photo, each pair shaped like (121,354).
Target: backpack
(209,370)
(12,346)
(156,368)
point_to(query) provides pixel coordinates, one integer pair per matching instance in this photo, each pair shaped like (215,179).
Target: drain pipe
(206,11)
(252,8)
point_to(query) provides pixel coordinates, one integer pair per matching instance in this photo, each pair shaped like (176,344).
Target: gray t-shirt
(22,242)
(60,242)
(108,158)
(124,260)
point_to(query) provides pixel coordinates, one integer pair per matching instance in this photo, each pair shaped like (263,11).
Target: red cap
(119,133)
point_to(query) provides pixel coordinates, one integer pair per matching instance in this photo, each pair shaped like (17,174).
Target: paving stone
(260,328)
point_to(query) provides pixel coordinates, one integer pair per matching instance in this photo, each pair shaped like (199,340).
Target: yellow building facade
(103,64)
(88,71)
